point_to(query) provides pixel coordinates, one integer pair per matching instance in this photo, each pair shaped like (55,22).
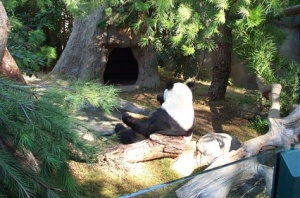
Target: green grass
(106,181)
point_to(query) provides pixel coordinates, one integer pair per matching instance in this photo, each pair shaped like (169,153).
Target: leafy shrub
(27,48)
(260,125)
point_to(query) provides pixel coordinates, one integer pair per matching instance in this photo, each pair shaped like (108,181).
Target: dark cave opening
(121,67)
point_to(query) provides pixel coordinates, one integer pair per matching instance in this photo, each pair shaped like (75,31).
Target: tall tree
(222,65)
(253,17)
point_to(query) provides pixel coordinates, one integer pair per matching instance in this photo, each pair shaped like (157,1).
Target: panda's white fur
(178,102)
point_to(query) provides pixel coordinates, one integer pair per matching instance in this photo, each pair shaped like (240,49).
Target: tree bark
(4,29)
(282,133)
(8,66)
(222,66)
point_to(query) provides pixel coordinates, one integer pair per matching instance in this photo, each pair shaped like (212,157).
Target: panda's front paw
(127,118)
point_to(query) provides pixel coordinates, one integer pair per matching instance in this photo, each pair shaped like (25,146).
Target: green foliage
(256,17)
(28,51)
(27,47)
(13,4)
(39,31)
(251,97)
(260,125)
(258,49)
(36,126)
(284,66)
(14,174)
(188,50)
(36,37)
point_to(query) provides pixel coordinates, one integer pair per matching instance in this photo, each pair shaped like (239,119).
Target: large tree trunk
(282,133)
(8,66)
(222,66)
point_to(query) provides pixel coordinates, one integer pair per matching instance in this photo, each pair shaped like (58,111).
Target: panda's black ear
(191,85)
(160,98)
(169,85)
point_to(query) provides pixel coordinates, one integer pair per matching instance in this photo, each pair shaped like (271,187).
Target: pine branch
(13,177)
(33,122)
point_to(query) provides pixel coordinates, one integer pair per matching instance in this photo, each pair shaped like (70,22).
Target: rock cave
(109,55)
(121,68)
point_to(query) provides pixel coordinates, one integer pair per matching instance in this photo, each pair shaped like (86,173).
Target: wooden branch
(267,173)
(217,183)
(270,92)
(215,188)
(282,132)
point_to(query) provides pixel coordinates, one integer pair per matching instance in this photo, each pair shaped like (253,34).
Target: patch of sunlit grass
(106,181)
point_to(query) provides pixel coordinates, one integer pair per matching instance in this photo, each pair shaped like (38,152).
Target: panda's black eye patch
(169,85)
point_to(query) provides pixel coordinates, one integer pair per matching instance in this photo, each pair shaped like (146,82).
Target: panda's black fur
(177,103)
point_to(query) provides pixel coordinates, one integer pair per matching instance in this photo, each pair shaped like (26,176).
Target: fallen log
(282,133)
(157,146)
(189,154)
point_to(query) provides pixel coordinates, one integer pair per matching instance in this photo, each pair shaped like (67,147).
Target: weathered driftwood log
(282,132)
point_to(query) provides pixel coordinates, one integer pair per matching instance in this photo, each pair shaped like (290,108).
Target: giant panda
(175,116)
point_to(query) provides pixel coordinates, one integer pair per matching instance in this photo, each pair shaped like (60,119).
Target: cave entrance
(121,67)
